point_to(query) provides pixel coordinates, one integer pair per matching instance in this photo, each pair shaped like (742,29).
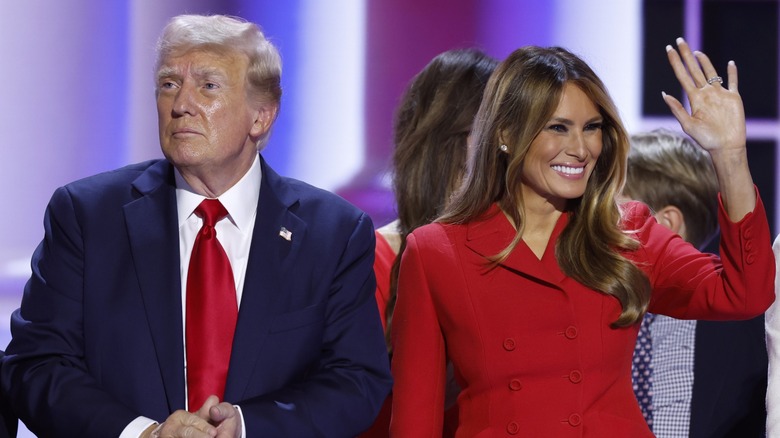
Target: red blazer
(384,257)
(533,350)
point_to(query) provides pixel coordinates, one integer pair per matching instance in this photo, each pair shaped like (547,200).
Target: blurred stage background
(78,91)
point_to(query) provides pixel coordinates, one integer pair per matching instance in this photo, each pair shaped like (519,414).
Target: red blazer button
(571,332)
(575,376)
(509,344)
(750,258)
(575,420)
(512,428)
(515,385)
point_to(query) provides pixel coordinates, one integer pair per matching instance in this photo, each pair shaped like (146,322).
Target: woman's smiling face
(561,158)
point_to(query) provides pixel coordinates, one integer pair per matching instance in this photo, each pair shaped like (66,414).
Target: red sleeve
(688,284)
(418,365)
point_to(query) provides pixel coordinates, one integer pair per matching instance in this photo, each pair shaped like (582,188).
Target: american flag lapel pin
(285,234)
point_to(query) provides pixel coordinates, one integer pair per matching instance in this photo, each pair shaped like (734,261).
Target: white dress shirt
(772,322)
(234,233)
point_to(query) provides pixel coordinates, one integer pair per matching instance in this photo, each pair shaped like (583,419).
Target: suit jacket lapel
(490,234)
(271,258)
(152,226)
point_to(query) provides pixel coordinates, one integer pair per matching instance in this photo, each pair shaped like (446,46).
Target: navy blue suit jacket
(98,338)
(8,422)
(730,379)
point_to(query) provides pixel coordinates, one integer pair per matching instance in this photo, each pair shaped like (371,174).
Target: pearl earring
(503,148)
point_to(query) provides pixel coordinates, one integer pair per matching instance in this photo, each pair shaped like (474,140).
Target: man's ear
(264,118)
(671,217)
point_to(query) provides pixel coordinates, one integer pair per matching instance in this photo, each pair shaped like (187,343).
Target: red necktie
(211,310)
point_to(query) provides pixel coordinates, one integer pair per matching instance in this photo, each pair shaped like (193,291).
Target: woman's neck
(539,221)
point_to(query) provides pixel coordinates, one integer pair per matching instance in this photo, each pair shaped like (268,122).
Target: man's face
(207,127)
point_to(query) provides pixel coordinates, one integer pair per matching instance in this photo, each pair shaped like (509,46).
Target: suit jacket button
(509,344)
(575,376)
(750,258)
(571,332)
(747,233)
(575,420)
(512,428)
(515,385)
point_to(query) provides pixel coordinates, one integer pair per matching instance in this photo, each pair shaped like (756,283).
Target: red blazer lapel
(490,234)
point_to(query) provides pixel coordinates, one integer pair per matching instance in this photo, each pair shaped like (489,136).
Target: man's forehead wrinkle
(190,69)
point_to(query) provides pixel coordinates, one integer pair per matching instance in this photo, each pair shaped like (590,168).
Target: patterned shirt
(673,358)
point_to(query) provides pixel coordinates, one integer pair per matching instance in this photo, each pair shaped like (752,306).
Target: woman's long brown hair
(521,96)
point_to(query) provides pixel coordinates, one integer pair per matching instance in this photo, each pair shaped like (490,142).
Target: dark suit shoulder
(101,196)
(320,202)
(112,178)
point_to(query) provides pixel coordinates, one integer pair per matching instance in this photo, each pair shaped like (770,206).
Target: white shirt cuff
(138,426)
(243,425)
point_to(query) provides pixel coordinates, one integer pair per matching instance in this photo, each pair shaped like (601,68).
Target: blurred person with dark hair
(432,124)
(709,377)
